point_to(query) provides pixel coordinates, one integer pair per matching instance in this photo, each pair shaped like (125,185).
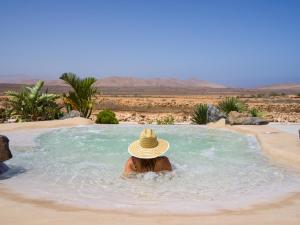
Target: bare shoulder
(163,164)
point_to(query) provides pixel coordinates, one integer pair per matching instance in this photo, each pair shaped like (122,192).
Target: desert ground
(146,109)
(147,104)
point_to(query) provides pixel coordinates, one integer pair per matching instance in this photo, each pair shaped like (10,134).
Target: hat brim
(136,150)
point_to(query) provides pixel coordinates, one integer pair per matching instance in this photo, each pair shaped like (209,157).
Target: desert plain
(146,100)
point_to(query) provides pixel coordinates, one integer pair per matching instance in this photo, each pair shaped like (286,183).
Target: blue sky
(237,43)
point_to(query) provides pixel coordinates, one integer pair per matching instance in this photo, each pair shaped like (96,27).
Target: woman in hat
(146,154)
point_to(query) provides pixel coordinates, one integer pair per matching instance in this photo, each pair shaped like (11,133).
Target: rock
(5,153)
(214,114)
(3,168)
(218,124)
(71,114)
(236,118)
(12,120)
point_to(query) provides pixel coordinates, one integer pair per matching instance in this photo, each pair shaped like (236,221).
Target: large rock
(214,114)
(5,153)
(3,168)
(218,124)
(236,118)
(71,114)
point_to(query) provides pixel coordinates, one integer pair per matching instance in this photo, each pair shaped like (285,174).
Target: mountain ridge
(281,86)
(120,81)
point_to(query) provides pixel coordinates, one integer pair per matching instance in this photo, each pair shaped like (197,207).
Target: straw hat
(148,146)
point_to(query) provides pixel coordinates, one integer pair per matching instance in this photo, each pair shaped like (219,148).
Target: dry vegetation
(146,105)
(145,109)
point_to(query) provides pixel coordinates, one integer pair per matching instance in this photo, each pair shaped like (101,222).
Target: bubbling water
(213,170)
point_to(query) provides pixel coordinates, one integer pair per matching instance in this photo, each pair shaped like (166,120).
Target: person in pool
(146,154)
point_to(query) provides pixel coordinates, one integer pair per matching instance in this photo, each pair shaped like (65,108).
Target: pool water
(82,166)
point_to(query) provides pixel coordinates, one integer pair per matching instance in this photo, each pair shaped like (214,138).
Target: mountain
(115,81)
(283,86)
(118,81)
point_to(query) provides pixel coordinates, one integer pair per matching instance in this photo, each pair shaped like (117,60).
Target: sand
(280,146)
(45,124)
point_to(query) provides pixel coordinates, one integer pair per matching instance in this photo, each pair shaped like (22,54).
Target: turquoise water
(83,166)
(292,128)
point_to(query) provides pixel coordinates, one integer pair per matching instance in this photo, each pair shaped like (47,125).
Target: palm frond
(81,96)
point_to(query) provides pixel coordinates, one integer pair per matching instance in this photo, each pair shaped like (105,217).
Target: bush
(168,120)
(107,117)
(298,94)
(274,94)
(200,114)
(31,104)
(255,112)
(231,104)
(260,95)
(3,115)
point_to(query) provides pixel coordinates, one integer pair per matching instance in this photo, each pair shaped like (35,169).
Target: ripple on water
(213,170)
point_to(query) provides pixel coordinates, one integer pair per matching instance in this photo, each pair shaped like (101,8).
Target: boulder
(237,118)
(214,114)
(218,124)
(5,153)
(3,168)
(71,114)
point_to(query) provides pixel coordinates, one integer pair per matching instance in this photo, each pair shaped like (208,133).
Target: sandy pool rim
(253,130)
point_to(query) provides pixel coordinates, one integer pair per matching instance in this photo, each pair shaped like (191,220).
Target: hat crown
(148,139)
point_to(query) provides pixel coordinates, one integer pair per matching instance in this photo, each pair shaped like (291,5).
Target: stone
(12,120)
(214,114)
(5,153)
(3,168)
(218,124)
(71,114)
(236,118)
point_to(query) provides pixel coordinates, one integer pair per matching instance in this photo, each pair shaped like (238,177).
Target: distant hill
(7,80)
(117,81)
(287,86)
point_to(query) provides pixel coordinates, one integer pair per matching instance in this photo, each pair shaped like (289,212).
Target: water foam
(82,166)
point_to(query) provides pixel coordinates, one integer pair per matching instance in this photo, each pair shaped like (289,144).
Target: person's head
(148,148)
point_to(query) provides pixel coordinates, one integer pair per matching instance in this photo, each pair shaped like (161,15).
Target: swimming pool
(82,166)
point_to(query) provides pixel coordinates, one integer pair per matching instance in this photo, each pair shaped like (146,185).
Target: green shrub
(231,104)
(255,112)
(3,115)
(274,94)
(260,95)
(298,94)
(31,104)
(200,114)
(107,117)
(168,120)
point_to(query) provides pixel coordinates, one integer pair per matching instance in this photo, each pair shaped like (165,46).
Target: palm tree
(80,98)
(31,104)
